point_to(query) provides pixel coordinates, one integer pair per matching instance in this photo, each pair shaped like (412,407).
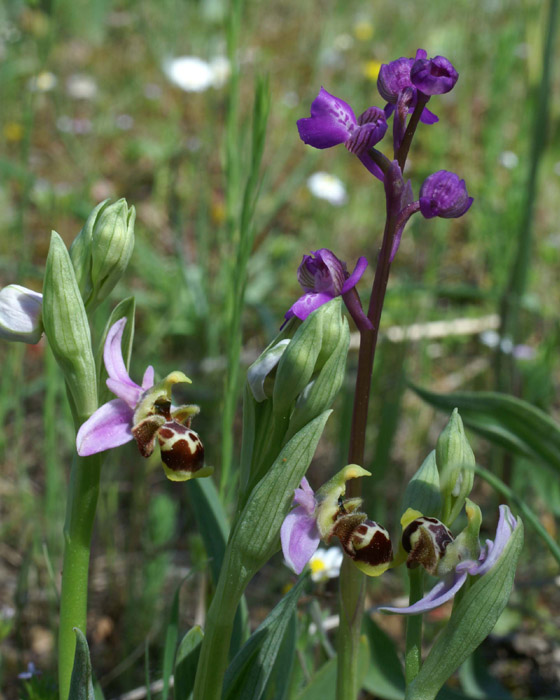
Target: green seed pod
(101,251)
(455,461)
(67,328)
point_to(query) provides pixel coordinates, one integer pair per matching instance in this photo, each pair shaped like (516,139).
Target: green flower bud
(67,328)
(423,491)
(101,251)
(455,461)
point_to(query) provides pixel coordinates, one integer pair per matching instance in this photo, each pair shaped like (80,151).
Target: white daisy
(326,186)
(325,563)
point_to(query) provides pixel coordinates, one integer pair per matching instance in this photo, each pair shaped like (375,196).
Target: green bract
(101,251)
(456,462)
(423,490)
(67,329)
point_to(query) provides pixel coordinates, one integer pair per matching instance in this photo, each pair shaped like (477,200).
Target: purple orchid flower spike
(323,277)
(401,82)
(299,533)
(479,565)
(143,413)
(333,122)
(444,194)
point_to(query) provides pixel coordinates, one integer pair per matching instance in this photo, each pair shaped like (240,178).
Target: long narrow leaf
(81,685)
(249,672)
(506,421)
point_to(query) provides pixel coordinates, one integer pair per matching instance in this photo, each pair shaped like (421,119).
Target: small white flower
(20,314)
(508,159)
(326,186)
(81,87)
(325,563)
(43,82)
(190,73)
(221,71)
(490,338)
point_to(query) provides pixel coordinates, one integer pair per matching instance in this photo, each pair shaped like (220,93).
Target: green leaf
(471,621)
(478,683)
(278,686)
(81,684)
(186,663)
(125,309)
(385,676)
(323,683)
(248,674)
(506,421)
(256,536)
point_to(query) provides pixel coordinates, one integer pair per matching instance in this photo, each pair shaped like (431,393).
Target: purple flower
(323,277)
(488,557)
(328,514)
(143,413)
(433,76)
(396,86)
(333,122)
(444,194)
(32,671)
(299,534)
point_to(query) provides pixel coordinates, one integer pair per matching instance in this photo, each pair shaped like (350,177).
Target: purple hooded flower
(395,85)
(299,533)
(323,277)
(145,414)
(444,194)
(433,76)
(333,122)
(448,586)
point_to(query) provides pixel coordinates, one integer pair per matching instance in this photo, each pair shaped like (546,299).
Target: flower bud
(455,461)
(425,540)
(422,492)
(67,328)
(21,314)
(101,251)
(433,76)
(444,194)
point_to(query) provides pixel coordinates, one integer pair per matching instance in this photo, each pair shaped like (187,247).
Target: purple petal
(148,379)
(306,304)
(506,525)
(440,593)
(300,539)
(110,426)
(420,53)
(332,121)
(428,117)
(394,77)
(129,393)
(356,275)
(371,165)
(304,496)
(112,354)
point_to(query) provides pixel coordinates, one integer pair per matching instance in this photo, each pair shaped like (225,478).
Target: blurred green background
(88,111)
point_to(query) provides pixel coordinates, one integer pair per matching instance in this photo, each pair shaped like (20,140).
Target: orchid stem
(80,515)
(413,652)
(352,580)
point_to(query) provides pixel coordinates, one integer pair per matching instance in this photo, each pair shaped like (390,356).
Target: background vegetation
(87,112)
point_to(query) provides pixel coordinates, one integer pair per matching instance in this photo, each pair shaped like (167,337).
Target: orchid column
(407,85)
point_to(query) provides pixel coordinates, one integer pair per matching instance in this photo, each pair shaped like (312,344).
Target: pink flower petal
(112,354)
(300,538)
(148,379)
(110,426)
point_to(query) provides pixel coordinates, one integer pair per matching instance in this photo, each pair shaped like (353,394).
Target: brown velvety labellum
(181,448)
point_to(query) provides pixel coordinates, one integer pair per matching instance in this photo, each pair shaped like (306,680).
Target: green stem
(413,653)
(218,628)
(350,605)
(80,515)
